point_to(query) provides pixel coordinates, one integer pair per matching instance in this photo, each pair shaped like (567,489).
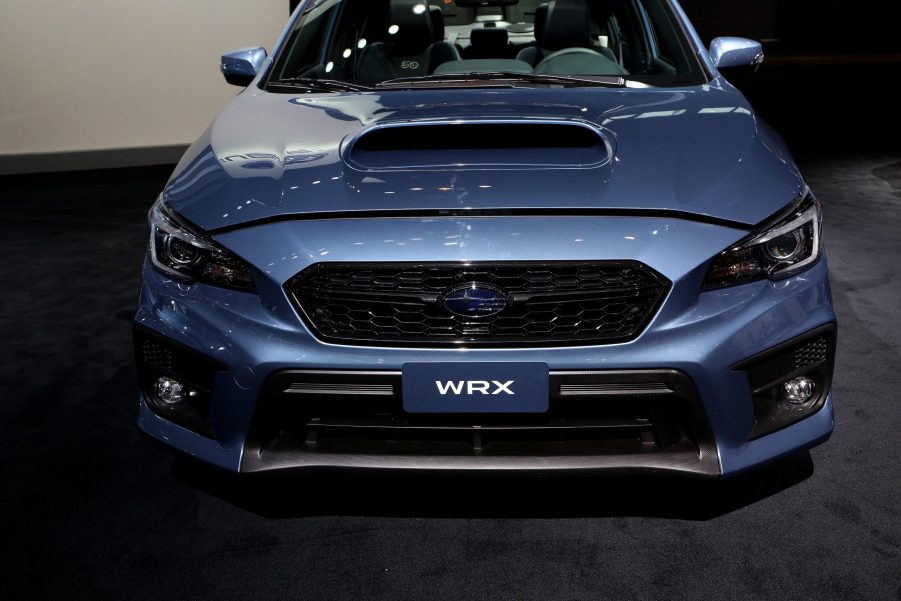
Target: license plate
(476,387)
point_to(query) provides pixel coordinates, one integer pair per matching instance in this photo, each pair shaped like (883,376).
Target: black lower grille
(479,304)
(639,419)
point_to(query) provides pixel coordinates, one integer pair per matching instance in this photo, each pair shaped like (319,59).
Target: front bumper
(700,337)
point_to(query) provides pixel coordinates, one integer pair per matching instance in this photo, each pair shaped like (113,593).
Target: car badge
(475,300)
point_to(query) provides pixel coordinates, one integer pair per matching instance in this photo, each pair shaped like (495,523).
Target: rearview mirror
(736,52)
(240,67)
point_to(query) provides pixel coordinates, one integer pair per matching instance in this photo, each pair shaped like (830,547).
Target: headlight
(189,256)
(782,249)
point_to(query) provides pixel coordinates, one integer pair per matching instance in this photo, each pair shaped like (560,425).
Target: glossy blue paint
(240,67)
(736,52)
(700,150)
(692,170)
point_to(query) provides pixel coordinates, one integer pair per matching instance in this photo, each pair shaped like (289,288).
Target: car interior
(373,41)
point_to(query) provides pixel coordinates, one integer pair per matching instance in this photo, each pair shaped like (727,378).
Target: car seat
(563,29)
(413,45)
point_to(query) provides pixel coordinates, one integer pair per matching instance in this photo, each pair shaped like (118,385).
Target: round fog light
(798,391)
(169,391)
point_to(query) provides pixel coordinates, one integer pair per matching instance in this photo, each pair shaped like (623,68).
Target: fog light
(798,391)
(169,391)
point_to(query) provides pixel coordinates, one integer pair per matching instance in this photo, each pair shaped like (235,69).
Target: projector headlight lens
(785,247)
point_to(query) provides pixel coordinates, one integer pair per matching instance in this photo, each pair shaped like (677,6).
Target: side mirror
(240,67)
(736,52)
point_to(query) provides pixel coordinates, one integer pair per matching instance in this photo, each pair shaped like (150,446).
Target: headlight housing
(188,256)
(779,250)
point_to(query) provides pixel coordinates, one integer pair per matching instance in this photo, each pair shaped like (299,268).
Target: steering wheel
(578,61)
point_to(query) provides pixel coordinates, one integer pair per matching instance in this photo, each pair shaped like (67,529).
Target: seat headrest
(485,37)
(567,25)
(410,28)
(437,24)
(540,20)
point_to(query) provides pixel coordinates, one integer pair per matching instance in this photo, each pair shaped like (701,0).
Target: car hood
(696,152)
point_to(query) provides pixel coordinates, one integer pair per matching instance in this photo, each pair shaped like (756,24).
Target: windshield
(361,44)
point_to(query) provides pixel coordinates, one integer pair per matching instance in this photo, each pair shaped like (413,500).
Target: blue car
(487,235)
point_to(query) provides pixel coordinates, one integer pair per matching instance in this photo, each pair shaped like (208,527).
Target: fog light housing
(791,381)
(799,391)
(169,391)
(176,381)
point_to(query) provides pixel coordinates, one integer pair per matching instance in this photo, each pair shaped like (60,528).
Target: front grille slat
(614,389)
(550,425)
(341,389)
(555,303)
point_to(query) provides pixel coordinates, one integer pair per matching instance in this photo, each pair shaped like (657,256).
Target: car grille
(543,303)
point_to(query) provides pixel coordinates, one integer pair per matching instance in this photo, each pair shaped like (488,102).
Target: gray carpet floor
(90,510)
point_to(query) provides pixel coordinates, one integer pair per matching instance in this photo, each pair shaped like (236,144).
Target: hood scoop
(462,145)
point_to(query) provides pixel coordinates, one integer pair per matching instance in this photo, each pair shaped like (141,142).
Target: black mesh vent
(815,351)
(547,303)
(156,354)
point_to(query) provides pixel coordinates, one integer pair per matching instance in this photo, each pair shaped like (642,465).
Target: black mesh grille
(815,351)
(548,303)
(155,354)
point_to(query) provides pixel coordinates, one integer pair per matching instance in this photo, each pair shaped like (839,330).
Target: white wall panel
(101,74)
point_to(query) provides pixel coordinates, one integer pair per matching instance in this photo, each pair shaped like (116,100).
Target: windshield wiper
(314,84)
(504,79)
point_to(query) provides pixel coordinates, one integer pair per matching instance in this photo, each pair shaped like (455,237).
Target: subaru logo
(475,300)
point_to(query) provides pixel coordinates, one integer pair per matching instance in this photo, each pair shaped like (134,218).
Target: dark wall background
(803,26)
